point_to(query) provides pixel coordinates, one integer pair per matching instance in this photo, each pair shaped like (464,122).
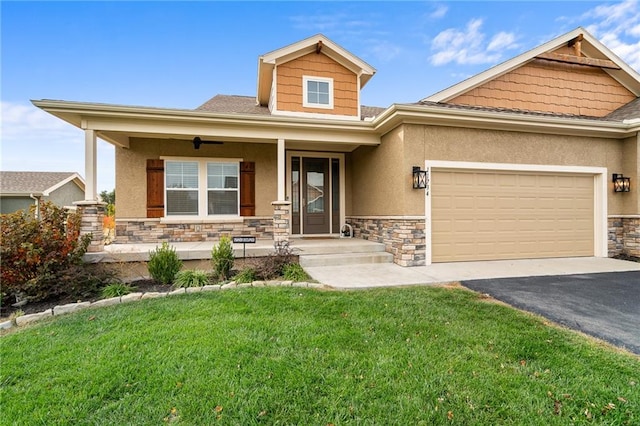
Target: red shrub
(34,253)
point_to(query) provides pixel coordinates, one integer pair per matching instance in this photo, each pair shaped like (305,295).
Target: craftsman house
(536,157)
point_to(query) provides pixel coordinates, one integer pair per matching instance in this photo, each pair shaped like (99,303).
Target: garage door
(488,215)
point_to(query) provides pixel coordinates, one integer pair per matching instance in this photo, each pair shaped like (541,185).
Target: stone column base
(92,213)
(281,221)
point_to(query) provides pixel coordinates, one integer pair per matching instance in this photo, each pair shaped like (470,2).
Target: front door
(315,192)
(315,196)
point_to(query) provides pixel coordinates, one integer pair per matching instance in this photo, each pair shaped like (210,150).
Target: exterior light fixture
(621,183)
(420,178)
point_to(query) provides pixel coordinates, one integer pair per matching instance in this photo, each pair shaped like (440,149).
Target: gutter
(489,120)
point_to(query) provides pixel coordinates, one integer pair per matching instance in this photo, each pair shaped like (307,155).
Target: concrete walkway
(388,275)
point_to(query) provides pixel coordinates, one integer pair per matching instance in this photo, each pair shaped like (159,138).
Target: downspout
(37,200)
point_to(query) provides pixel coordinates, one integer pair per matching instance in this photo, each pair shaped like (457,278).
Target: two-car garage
(480,211)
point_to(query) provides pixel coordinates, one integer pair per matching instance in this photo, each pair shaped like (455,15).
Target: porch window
(182,188)
(202,188)
(222,188)
(317,92)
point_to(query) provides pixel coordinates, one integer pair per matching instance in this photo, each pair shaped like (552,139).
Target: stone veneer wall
(92,215)
(624,236)
(152,230)
(403,237)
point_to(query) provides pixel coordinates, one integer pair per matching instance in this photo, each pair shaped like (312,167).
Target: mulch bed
(143,286)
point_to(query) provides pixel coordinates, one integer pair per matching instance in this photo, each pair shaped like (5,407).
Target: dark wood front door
(316,202)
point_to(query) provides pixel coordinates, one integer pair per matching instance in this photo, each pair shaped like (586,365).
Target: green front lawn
(295,356)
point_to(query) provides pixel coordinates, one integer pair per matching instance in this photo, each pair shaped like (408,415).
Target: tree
(108,197)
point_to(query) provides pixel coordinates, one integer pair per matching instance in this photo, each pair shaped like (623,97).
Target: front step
(341,259)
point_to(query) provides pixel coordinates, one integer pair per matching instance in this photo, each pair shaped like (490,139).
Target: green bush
(247,275)
(37,254)
(294,272)
(116,290)
(191,278)
(222,258)
(164,264)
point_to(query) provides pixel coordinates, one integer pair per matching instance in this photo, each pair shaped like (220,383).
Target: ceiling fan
(197,142)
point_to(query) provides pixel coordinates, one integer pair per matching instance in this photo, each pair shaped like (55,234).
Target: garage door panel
(480,215)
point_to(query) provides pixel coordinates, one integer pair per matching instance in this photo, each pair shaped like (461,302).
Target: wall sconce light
(420,178)
(197,142)
(621,183)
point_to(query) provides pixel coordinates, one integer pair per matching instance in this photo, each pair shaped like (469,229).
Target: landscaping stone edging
(132,297)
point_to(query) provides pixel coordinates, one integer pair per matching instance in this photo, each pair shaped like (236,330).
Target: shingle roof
(626,112)
(508,110)
(30,182)
(235,104)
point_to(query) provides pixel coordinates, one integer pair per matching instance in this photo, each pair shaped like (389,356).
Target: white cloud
(439,12)
(37,141)
(384,51)
(618,27)
(502,41)
(468,46)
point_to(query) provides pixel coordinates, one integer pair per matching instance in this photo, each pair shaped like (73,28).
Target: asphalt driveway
(605,305)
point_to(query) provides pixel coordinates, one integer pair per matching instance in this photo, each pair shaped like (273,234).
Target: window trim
(203,189)
(305,94)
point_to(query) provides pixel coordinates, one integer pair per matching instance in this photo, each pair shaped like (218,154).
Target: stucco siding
(289,84)
(630,167)
(131,191)
(66,195)
(382,175)
(553,87)
(380,179)
(13,204)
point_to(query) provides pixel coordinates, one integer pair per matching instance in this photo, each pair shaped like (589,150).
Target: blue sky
(179,54)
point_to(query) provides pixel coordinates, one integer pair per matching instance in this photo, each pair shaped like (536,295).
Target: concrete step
(340,259)
(336,246)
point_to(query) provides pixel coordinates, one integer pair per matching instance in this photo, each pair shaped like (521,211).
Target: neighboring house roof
(36,183)
(234,104)
(316,43)
(590,48)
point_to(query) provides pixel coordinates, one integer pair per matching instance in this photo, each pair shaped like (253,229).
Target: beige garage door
(478,215)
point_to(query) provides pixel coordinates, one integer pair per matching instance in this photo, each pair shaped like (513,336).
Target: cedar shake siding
(289,84)
(551,87)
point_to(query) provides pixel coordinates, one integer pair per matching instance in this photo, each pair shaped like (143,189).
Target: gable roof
(591,48)
(36,183)
(318,42)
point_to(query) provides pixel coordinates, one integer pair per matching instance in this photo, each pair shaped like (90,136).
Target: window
(317,92)
(222,188)
(182,188)
(202,188)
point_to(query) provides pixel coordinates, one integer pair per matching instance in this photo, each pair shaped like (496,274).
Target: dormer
(312,78)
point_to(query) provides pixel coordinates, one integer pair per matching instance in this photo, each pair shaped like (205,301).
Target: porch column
(90,165)
(281,170)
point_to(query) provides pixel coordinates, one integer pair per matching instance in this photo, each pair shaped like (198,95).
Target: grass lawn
(401,356)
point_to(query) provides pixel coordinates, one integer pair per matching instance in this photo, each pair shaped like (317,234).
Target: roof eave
(488,120)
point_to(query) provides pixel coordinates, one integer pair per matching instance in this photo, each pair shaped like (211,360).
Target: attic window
(317,92)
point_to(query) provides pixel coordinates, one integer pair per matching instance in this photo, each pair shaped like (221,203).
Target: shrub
(38,254)
(116,290)
(271,266)
(191,278)
(222,258)
(247,275)
(164,263)
(294,272)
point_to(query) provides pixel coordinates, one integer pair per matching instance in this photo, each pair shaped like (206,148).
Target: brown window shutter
(155,188)
(247,188)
